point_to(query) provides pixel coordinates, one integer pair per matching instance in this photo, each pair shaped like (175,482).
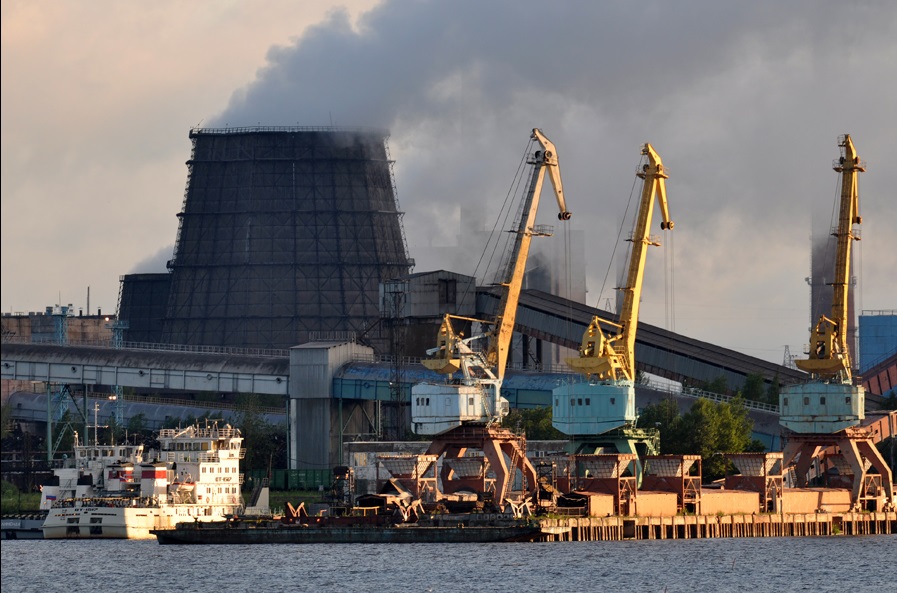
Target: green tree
(734,429)
(772,392)
(534,422)
(718,385)
(708,429)
(5,420)
(754,388)
(664,416)
(266,444)
(137,424)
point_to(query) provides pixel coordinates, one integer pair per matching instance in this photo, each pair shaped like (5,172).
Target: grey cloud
(744,101)
(155,263)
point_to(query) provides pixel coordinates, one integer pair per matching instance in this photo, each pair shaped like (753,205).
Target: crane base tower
(857,455)
(503,454)
(640,442)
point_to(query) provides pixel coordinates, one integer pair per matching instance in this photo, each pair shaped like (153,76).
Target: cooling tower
(284,237)
(142,300)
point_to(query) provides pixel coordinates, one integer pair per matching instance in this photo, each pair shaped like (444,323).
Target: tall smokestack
(822,270)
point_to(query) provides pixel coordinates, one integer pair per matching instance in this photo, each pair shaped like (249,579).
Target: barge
(22,526)
(276,531)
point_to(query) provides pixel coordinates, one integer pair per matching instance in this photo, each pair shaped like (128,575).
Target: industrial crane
(829,354)
(822,417)
(464,412)
(606,401)
(475,396)
(830,402)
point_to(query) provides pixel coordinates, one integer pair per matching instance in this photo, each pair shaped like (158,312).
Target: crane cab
(821,408)
(439,407)
(591,408)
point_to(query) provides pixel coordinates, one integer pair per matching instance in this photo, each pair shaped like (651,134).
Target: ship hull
(298,534)
(23,526)
(109,522)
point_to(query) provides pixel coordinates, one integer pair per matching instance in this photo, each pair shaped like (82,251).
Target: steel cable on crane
(831,241)
(568,281)
(501,218)
(669,283)
(619,233)
(858,291)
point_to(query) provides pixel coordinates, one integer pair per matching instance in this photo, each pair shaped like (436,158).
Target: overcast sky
(744,102)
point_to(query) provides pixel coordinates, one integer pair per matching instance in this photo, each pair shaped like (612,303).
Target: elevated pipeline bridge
(657,351)
(540,316)
(344,390)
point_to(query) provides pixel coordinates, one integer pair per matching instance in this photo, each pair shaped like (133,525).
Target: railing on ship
(201,432)
(196,456)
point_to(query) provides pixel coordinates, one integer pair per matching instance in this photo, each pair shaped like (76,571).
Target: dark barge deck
(478,528)
(266,531)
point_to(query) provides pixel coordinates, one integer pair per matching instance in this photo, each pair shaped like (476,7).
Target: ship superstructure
(194,477)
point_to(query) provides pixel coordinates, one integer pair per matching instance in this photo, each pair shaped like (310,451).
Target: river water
(836,564)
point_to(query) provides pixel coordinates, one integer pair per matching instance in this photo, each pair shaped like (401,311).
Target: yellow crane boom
(449,348)
(829,355)
(500,340)
(614,357)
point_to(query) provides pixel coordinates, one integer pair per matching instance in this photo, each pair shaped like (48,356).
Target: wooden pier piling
(720,526)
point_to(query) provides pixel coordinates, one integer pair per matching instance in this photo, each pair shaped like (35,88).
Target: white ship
(112,492)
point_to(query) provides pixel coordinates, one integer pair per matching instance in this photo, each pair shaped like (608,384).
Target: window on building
(448,291)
